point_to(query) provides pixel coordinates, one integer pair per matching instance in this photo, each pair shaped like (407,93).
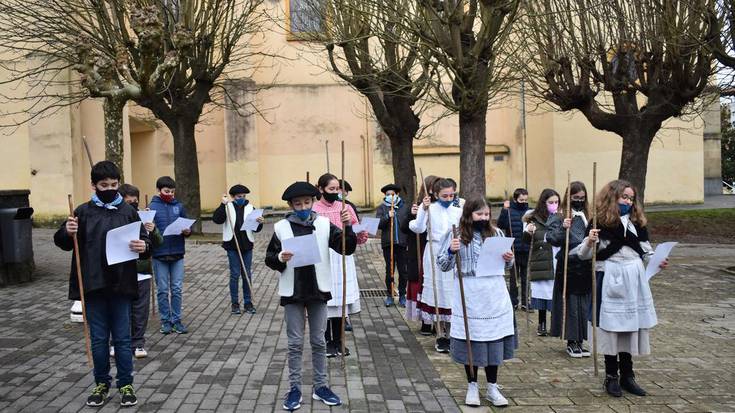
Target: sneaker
(442,345)
(99,395)
(473,395)
(76,314)
(165,327)
(179,328)
(235,309)
(426,329)
(140,353)
(573,350)
(249,308)
(494,395)
(389,301)
(331,350)
(541,330)
(327,396)
(338,346)
(112,351)
(293,399)
(127,396)
(348,325)
(612,386)
(585,351)
(402,301)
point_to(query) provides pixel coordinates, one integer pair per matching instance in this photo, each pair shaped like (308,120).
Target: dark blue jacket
(516,224)
(165,215)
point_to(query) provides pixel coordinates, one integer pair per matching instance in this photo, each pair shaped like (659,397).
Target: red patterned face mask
(167,198)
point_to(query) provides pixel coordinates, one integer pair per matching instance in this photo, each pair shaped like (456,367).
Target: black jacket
(220,217)
(384,226)
(97,276)
(515,226)
(413,258)
(579,275)
(541,265)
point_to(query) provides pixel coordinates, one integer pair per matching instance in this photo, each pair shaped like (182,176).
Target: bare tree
(627,66)
(169,56)
(721,14)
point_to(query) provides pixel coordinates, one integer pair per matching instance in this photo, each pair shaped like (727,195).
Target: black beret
(347,187)
(390,187)
(239,189)
(298,189)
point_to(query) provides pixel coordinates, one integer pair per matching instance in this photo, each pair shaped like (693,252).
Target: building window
(498,158)
(305,18)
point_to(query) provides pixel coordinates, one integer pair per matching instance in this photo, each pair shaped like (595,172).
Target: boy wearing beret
(389,208)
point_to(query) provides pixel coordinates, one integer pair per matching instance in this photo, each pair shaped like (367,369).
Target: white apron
(353,289)
(626,303)
(489,309)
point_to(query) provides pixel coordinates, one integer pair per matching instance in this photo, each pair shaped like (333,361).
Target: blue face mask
(392,198)
(624,209)
(239,201)
(340,196)
(303,214)
(445,204)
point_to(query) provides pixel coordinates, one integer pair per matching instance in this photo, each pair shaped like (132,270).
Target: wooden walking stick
(307,176)
(594,272)
(231,222)
(80,281)
(326,149)
(418,236)
(513,249)
(458,259)
(439,329)
(153,274)
(392,234)
(528,288)
(566,260)
(344,264)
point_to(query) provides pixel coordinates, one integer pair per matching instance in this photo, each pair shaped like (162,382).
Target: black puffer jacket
(541,266)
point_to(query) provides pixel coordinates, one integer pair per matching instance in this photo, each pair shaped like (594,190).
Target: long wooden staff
(439,330)
(419,259)
(458,259)
(153,273)
(392,234)
(528,288)
(231,222)
(344,262)
(594,273)
(566,259)
(513,248)
(307,176)
(326,149)
(78,262)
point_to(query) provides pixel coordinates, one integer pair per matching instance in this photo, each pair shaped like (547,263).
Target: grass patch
(703,226)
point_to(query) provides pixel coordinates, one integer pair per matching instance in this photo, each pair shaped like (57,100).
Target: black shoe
(426,329)
(235,309)
(628,384)
(612,386)
(541,331)
(99,395)
(339,349)
(332,349)
(574,350)
(127,396)
(248,307)
(442,345)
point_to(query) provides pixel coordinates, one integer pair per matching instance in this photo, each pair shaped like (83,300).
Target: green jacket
(541,265)
(145,266)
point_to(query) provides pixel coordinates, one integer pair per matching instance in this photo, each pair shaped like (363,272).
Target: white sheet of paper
(146,216)
(250,223)
(368,224)
(491,260)
(179,225)
(305,250)
(117,243)
(662,252)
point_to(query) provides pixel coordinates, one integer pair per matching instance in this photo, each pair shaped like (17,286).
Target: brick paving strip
(229,363)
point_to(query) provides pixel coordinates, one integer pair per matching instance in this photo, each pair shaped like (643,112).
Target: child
(579,275)
(329,207)
(535,224)
(393,200)
(511,222)
(625,304)
(237,208)
(168,259)
(458,202)
(344,194)
(307,288)
(413,260)
(142,303)
(443,216)
(108,289)
(489,309)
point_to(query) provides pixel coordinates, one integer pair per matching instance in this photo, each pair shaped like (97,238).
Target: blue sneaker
(327,396)
(293,400)
(402,301)
(389,301)
(179,328)
(348,325)
(165,327)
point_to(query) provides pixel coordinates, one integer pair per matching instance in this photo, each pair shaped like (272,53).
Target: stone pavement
(229,363)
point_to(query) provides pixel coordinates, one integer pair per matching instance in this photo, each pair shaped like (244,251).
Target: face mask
(106,196)
(392,198)
(134,205)
(552,208)
(303,214)
(239,201)
(480,225)
(167,198)
(445,204)
(624,209)
(339,196)
(578,205)
(521,206)
(330,197)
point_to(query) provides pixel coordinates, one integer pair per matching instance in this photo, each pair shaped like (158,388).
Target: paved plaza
(238,363)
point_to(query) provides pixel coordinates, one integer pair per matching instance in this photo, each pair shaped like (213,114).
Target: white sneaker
(112,351)
(140,353)
(494,395)
(76,315)
(473,395)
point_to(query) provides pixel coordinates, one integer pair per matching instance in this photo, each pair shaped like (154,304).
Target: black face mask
(329,197)
(480,225)
(521,206)
(134,205)
(578,205)
(107,195)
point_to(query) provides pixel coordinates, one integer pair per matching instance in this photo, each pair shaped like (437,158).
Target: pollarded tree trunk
(472,127)
(113,112)
(634,159)
(401,124)
(404,169)
(186,166)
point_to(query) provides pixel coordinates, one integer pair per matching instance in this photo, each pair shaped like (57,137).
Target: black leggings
(542,316)
(491,372)
(333,331)
(625,364)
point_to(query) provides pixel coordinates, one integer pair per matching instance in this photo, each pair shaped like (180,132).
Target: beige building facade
(304,107)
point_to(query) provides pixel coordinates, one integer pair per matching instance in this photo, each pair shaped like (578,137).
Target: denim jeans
(109,315)
(236,272)
(140,310)
(169,286)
